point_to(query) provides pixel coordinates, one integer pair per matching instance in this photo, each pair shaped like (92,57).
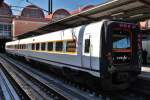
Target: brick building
(30,19)
(5,21)
(5,24)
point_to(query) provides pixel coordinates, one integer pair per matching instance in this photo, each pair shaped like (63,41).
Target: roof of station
(126,10)
(5,10)
(32,11)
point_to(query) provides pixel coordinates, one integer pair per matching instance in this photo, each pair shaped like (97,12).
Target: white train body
(83,54)
(89,60)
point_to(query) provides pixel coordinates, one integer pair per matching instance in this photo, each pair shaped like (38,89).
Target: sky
(57,4)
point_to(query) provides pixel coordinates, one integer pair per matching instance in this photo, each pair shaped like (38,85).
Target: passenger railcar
(104,53)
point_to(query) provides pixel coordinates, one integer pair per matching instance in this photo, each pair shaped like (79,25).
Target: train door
(86,52)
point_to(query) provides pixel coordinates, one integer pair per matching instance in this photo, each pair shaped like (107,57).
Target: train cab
(121,52)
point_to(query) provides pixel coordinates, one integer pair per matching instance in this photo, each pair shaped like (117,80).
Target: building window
(37,46)
(71,46)
(50,46)
(5,27)
(5,30)
(59,46)
(1,27)
(87,46)
(43,46)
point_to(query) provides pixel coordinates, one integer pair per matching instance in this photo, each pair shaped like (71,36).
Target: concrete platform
(145,74)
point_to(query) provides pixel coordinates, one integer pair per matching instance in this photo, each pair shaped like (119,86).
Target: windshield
(121,39)
(121,43)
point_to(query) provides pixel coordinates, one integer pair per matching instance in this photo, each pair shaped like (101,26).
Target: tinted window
(121,39)
(50,46)
(43,46)
(37,46)
(71,46)
(87,46)
(33,46)
(59,46)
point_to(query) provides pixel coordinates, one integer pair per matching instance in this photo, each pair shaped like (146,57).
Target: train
(104,54)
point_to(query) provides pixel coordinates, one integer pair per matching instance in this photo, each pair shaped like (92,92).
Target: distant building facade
(5,25)
(30,19)
(5,22)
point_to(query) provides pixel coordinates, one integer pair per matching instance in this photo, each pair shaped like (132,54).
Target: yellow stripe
(54,52)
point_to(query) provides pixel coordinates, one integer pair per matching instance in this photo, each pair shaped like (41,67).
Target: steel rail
(67,91)
(7,89)
(38,82)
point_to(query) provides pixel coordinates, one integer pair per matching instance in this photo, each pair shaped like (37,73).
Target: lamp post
(50,7)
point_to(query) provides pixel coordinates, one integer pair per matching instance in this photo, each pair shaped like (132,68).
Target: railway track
(45,83)
(49,86)
(33,92)
(7,90)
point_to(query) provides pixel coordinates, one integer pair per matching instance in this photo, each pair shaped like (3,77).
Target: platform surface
(145,74)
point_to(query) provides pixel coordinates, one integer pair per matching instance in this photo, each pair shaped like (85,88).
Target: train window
(50,46)
(37,46)
(20,47)
(59,46)
(43,46)
(87,46)
(71,46)
(33,46)
(24,46)
(29,46)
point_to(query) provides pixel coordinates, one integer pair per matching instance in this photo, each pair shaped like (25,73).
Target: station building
(11,26)
(30,19)
(5,24)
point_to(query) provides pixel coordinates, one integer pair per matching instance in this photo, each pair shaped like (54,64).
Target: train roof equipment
(124,10)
